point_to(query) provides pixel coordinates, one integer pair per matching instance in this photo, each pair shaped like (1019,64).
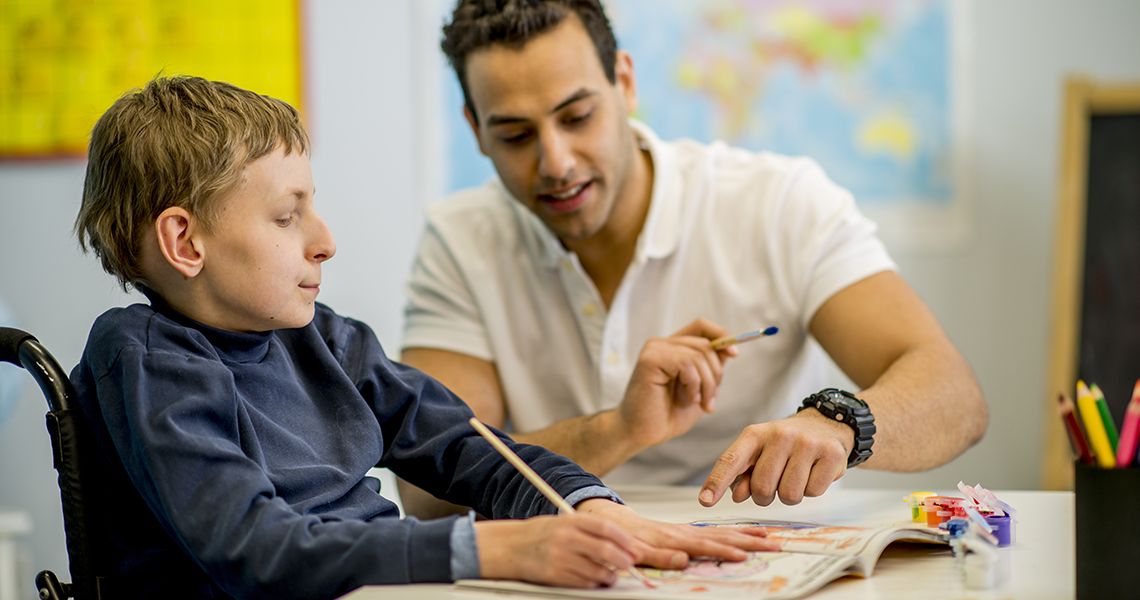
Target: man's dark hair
(477,24)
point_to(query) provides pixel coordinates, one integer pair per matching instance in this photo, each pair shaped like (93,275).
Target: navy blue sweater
(233,464)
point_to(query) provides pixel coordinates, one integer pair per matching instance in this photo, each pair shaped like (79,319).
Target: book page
(865,544)
(799,536)
(813,555)
(771,575)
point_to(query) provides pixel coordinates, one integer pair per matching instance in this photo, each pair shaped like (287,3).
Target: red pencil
(1130,434)
(1076,437)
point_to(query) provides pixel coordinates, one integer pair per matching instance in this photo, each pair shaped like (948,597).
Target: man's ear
(625,80)
(474,124)
(176,231)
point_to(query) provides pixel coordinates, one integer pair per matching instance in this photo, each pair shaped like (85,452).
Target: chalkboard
(1096,279)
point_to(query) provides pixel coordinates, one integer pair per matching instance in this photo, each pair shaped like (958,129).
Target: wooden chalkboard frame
(1084,99)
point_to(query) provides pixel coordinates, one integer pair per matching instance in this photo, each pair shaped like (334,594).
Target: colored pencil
(1102,408)
(740,338)
(1076,436)
(1130,433)
(1094,427)
(538,482)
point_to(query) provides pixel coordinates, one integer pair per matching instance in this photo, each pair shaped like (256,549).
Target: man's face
(263,256)
(555,128)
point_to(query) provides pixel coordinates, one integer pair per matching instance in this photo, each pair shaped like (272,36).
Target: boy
(235,417)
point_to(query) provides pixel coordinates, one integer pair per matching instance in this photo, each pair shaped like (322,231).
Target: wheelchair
(71,458)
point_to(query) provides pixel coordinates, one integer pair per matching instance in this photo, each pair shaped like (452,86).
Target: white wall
(991,295)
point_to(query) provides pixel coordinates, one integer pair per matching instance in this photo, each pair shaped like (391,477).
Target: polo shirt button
(566,264)
(613,358)
(589,309)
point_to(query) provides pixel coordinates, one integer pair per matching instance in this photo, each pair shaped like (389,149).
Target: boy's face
(262,260)
(554,126)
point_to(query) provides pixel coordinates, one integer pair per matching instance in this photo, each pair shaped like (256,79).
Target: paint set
(978,523)
(979,505)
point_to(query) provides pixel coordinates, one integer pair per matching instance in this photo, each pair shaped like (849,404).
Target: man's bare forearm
(928,409)
(597,442)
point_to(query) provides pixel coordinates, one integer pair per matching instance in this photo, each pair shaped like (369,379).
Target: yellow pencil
(1094,427)
(538,482)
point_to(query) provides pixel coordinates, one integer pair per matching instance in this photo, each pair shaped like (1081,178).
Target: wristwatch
(844,407)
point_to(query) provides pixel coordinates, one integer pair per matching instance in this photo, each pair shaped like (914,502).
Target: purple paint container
(1002,529)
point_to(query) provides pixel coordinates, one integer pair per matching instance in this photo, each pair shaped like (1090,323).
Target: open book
(812,555)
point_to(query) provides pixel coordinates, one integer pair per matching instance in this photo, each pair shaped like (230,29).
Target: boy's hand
(573,550)
(670,545)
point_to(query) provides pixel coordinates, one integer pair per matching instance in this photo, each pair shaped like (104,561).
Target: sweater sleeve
(172,419)
(429,442)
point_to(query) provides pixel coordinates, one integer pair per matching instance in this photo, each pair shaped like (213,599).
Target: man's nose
(556,158)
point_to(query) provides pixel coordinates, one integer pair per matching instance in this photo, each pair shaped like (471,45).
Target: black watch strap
(845,407)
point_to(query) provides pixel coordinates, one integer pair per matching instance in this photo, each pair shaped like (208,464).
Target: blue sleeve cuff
(464,553)
(592,491)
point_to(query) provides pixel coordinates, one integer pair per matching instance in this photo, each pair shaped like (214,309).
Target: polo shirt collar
(660,234)
(662,230)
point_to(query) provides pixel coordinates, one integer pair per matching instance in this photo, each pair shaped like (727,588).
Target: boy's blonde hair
(179,141)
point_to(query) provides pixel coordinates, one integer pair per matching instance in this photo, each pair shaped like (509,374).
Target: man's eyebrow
(571,99)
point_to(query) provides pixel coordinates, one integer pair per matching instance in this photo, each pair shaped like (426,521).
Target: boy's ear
(176,233)
(474,129)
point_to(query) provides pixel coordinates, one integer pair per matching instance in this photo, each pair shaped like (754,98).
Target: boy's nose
(323,246)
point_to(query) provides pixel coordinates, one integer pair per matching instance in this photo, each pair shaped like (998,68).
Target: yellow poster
(63,62)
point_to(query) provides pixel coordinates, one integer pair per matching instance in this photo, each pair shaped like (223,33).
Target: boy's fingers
(661,558)
(584,573)
(611,556)
(752,539)
(699,541)
(756,531)
(605,530)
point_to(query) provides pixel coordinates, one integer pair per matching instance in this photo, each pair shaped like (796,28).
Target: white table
(1041,561)
(13,524)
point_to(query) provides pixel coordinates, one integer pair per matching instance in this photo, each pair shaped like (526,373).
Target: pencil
(740,338)
(554,497)
(1126,451)
(1102,408)
(1094,427)
(1076,436)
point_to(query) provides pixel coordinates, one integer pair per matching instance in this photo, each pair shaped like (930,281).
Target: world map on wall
(863,87)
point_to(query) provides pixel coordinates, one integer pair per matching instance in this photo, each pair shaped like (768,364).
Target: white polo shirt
(745,240)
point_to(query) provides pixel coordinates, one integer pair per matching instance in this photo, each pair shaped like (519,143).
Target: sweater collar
(236,346)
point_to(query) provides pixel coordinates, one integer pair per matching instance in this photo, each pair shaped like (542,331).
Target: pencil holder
(1108,533)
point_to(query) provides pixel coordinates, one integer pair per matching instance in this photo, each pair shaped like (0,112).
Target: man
(545,299)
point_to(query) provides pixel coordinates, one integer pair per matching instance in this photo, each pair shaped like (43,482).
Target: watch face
(845,400)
